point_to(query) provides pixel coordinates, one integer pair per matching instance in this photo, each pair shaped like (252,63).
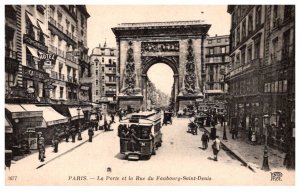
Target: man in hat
(216,147)
(41,148)
(67,133)
(73,134)
(91,134)
(55,142)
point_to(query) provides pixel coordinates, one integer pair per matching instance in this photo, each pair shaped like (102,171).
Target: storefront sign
(33,73)
(26,114)
(48,59)
(84,88)
(28,40)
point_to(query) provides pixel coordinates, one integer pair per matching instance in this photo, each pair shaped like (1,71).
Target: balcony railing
(57,76)
(10,53)
(71,57)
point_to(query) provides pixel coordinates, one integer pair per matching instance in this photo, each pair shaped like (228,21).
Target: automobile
(140,135)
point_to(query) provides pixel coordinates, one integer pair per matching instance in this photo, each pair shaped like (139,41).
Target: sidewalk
(31,161)
(251,154)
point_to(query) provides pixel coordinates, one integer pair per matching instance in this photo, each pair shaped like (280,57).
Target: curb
(238,157)
(69,150)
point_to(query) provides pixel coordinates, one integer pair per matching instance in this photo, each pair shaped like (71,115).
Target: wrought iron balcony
(52,21)
(9,53)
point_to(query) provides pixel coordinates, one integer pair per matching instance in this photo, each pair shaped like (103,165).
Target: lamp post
(79,129)
(265,166)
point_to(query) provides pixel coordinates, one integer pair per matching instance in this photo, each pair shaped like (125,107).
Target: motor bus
(140,135)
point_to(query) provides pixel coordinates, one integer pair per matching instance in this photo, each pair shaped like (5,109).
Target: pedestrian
(216,148)
(253,138)
(73,134)
(205,140)
(95,125)
(232,131)
(55,142)
(112,117)
(41,148)
(67,133)
(91,134)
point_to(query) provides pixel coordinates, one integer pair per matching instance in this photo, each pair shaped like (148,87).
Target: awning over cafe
(52,117)
(32,20)
(17,111)
(42,27)
(33,51)
(8,127)
(74,113)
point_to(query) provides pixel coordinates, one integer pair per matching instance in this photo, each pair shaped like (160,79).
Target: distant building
(216,63)
(103,71)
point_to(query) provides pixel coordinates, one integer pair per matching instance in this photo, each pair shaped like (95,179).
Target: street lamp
(79,129)
(265,166)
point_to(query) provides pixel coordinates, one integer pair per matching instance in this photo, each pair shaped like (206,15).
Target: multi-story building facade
(103,71)
(261,80)
(63,43)
(216,64)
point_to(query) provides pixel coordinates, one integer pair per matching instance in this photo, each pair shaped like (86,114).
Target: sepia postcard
(149,95)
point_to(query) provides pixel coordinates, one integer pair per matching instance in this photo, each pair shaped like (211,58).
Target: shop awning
(32,20)
(74,113)
(52,117)
(8,127)
(17,111)
(42,27)
(33,51)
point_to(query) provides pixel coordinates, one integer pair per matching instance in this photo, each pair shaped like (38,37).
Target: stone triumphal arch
(176,44)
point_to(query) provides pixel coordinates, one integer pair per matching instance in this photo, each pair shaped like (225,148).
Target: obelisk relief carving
(129,73)
(190,78)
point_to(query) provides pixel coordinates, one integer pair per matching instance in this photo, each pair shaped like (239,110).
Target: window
(258,15)
(223,49)
(226,39)
(274,50)
(96,82)
(275,12)
(273,87)
(40,89)
(102,69)
(233,40)
(211,60)
(218,40)
(59,17)
(102,77)
(244,29)
(61,92)
(103,58)
(250,23)
(9,79)
(59,41)
(103,88)
(109,61)
(209,41)
(109,68)
(286,44)
(67,24)
(243,56)
(96,72)
(280,86)
(284,89)
(257,49)
(249,53)
(237,60)
(288,10)
(97,92)
(211,51)
(238,33)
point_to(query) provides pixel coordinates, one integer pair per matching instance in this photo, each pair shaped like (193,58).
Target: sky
(105,17)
